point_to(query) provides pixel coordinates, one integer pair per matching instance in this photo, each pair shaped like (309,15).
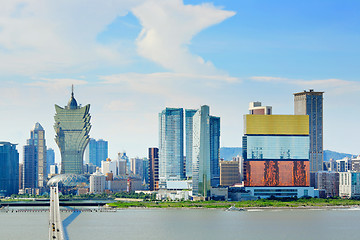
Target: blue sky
(132,58)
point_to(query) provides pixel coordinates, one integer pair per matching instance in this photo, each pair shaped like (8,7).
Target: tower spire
(72,90)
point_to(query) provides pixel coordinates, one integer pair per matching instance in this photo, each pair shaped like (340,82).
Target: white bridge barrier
(56,231)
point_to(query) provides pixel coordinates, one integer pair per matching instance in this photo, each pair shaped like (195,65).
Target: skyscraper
(171,145)
(276,155)
(30,175)
(215,150)
(311,103)
(72,127)
(153,169)
(96,151)
(9,169)
(189,113)
(206,151)
(50,159)
(37,138)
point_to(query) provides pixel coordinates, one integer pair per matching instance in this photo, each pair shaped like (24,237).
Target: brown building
(21,166)
(229,173)
(255,108)
(153,169)
(328,181)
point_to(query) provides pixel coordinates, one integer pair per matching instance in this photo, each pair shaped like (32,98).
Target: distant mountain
(335,155)
(227,153)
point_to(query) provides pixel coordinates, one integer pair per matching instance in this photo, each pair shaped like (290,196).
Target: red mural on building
(276,173)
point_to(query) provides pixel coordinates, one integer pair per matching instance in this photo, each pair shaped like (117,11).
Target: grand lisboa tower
(72,127)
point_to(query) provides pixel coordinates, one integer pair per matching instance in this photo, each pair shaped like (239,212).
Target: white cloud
(169,26)
(42,36)
(39,37)
(336,86)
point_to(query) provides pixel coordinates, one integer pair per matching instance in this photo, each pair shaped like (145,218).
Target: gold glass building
(276,151)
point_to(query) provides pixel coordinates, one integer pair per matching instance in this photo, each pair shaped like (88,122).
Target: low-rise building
(355,164)
(329,182)
(97,182)
(219,193)
(349,184)
(229,173)
(343,165)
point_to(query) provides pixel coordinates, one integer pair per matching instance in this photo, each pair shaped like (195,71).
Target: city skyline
(129,66)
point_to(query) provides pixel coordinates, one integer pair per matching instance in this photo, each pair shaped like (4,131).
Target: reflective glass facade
(286,173)
(215,150)
(171,145)
(276,151)
(96,151)
(72,127)
(311,103)
(206,151)
(189,113)
(276,125)
(9,169)
(276,147)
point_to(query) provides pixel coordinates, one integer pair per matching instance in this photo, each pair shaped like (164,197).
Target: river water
(161,224)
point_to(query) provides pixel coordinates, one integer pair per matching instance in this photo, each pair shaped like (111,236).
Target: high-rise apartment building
(153,169)
(97,182)
(171,145)
(50,159)
(349,184)
(311,103)
(206,151)
(37,138)
(189,113)
(96,151)
(276,155)
(9,169)
(29,175)
(72,127)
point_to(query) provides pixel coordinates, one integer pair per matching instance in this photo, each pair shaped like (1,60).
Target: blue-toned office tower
(29,175)
(206,151)
(311,103)
(96,151)
(215,150)
(9,169)
(72,127)
(189,113)
(171,145)
(50,159)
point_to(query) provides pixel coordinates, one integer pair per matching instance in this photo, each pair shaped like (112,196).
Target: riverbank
(256,204)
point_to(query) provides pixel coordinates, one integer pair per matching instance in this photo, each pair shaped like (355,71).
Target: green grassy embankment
(282,203)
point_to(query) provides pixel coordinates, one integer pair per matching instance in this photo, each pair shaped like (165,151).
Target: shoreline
(247,208)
